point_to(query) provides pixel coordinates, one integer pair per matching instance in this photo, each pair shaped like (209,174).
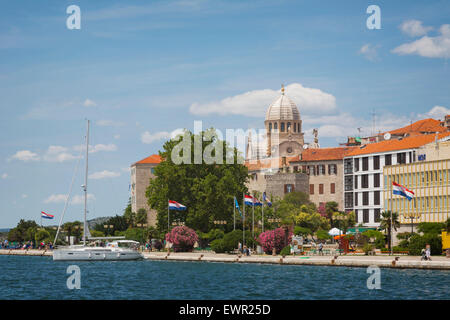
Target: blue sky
(141,69)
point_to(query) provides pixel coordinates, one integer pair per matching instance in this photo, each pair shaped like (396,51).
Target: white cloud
(369,52)
(56,198)
(25,155)
(255,103)
(98,147)
(437,112)
(148,137)
(24,196)
(429,47)
(61,198)
(89,103)
(117,136)
(4,176)
(79,199)
(109,123)
(104,174)
(58,154)
(414,28)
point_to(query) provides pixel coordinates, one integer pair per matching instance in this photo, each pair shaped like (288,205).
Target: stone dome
(282,108)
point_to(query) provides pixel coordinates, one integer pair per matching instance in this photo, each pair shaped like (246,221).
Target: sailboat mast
(85,184)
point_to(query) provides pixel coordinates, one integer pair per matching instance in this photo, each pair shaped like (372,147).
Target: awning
(358,230)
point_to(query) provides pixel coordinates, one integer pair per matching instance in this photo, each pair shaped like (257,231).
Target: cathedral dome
(282,108)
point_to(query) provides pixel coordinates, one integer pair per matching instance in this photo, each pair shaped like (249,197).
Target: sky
(141,69)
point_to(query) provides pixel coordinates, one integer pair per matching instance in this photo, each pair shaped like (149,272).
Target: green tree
(447,225)
(297,198)
(430,227)
(129,215)
(141,216)
(385,223)
(331,208)
(313,221)
(24,231)
(42,235)
(207,189)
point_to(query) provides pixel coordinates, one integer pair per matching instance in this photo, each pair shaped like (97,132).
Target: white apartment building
(363,174)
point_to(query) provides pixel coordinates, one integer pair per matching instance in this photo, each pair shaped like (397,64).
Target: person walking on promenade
(320,248)
(240,247)
(428,252)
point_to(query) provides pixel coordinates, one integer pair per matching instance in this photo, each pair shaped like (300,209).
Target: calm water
(41,278)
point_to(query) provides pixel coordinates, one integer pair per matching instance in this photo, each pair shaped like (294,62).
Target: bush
(42,235)
(430,227)
(273,239)
(205,239)
(183,238)
(377,235)
(367,248)
(285,251)
(322,235)
(418,242)
(231,240)
(217,246)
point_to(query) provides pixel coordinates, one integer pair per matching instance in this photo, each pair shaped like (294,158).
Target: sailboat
(119,249)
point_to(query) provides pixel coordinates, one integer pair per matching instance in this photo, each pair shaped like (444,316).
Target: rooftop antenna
(373,122)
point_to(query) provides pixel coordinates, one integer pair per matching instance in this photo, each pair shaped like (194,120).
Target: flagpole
(168,215)
(253,219)
(263,216)
(234,213)
(243,220)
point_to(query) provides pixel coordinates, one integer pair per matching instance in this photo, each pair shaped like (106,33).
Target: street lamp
(411,215)
(108,227)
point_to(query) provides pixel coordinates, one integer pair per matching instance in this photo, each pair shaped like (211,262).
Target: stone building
(324,168)
(141,173)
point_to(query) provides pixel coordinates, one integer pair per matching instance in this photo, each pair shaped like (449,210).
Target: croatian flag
(267,200)
(173,205)
(402,191)
(46,215)
(251,201)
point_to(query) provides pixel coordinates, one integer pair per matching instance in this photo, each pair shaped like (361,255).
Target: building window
(388,159)
(348,167)
(401,158)
(152,170)
(365,163)
(376,162)
(365,198)
(282,127)
(270,127)
(356,182)
(366,215)
(376,198)
(356,216)
(275,126)
(321,188)
(295,127)
(348,200)
(365,181)
(321,169)
(288,188)
(348,180)
(332,188)
(356,164)
(356,199)
(376,180)
(311,189)
(332,169)
(288,126)
(312,170)
(377,215)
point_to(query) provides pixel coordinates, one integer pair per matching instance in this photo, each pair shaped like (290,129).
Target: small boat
(116,250)
(113,251)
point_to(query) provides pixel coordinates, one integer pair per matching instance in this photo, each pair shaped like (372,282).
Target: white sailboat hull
(95,254)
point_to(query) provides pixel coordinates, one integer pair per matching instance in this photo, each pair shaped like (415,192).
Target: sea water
(42,278)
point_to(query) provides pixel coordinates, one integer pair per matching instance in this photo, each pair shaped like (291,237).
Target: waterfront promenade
(383,261)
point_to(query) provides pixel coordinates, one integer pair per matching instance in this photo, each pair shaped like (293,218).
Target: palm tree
(385,223)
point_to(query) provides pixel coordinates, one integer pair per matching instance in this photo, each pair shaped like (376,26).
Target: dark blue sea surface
(42,278)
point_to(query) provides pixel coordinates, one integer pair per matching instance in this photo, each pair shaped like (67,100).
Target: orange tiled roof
(421,126)
(153,159)
(254,165)
(397,144)
(325,154)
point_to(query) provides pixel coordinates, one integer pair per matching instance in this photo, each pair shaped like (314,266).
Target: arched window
(295,127)
(270,127)
(288,126)
(282,127)
(275,126)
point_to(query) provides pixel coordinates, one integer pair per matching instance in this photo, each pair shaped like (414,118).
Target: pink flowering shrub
(273,239)
(182,238)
